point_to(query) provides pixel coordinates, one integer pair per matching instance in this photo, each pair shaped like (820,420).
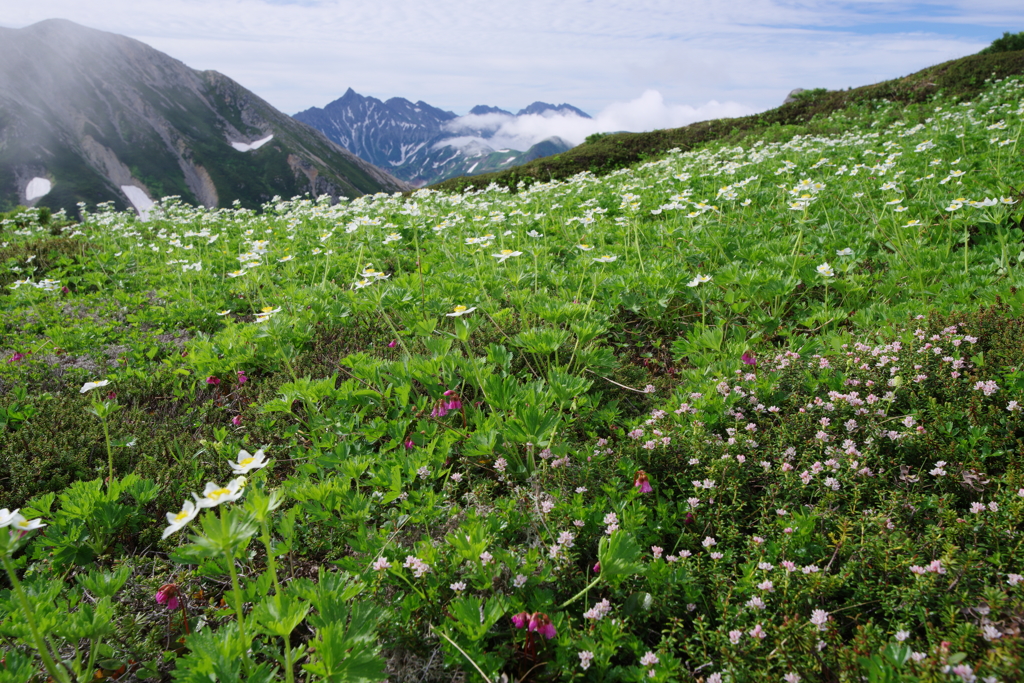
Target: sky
(632,64)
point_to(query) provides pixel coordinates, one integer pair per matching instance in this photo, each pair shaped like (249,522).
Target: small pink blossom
(168,595)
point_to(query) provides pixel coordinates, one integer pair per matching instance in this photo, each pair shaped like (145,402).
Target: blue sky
(700,59)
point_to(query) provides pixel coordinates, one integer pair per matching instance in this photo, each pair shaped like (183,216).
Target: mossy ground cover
(747,411)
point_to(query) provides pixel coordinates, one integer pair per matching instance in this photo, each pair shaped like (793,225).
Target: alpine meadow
(742,401)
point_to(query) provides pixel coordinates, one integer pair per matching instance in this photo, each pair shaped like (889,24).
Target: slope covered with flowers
(736,413)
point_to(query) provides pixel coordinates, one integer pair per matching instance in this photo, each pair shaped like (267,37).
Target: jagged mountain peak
(423,144)
(543,107)
(482,109)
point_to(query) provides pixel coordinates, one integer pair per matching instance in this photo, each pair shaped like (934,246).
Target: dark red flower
(541,623)
(168,595)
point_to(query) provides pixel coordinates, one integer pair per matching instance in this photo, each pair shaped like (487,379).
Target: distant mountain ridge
(90,116)
(422,144)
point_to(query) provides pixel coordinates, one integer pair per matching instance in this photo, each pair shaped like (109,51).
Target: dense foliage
(1009,42)
(741,412)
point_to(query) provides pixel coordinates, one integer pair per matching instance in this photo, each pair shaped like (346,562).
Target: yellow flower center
(246,461)
(214,495)
(180,516)
(267,309)
(459,309)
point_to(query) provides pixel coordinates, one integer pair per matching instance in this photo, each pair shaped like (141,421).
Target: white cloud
(647,112)
(458,53)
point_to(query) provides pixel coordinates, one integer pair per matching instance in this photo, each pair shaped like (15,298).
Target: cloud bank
(302,53)
(647,112)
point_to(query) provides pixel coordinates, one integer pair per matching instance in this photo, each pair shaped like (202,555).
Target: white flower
(698,280)
(506,254)
(189,510)
(246,462)
(7,517)
(460,311)
(89,386)
(844,252)
(819,618)
(605,259)
(825,270)
(214,495)
(584,247)
(15,520)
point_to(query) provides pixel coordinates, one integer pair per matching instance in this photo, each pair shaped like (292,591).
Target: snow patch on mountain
(250,146)
(36,188)
(139,200)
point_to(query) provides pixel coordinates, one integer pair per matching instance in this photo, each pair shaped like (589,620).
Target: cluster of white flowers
(215,494)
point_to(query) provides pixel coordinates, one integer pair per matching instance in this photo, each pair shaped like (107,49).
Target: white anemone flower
(844,252)
(605,259)
(699,280)
(825,270)
(460,311)
(89,386)
(17,521)
(214,494)
(7,517)
(506,254)
(178,520)
(248,462)
(584,247)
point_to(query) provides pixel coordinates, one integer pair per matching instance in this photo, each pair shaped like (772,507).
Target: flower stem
(110,452)
(238,608)
(57,673)
(581,593)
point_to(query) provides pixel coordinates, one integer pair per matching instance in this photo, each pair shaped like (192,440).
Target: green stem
(55,672)
(110,452)
(581,593)
(237,591)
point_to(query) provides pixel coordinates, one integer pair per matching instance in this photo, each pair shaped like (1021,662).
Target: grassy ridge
(956,80)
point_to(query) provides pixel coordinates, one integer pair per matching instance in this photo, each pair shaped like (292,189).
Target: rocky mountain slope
(422,144)
(89,116)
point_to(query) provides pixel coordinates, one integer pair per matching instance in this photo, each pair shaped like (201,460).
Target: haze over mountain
(92,116)
(423,144)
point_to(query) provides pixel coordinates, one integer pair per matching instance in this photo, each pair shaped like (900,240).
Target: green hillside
(956,80)
(749,409)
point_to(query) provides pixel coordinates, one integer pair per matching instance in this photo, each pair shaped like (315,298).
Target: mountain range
(90,116)
(423,144)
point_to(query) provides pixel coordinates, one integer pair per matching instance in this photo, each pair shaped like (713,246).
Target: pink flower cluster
(935,567)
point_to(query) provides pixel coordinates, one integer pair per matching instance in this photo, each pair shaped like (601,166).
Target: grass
(748,409)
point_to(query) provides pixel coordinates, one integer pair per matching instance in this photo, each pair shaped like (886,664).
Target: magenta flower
(520,620)
(393,343)
(168,595)
(541,623)
(642,482)
(597,568)
(16,357)
(236,420)
(242,379)
(409,444)
(213,380)
(748,358)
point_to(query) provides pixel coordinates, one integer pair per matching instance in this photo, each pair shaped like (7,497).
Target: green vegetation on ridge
(956,80)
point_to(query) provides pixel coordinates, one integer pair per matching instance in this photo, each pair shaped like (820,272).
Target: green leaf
(619,555)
